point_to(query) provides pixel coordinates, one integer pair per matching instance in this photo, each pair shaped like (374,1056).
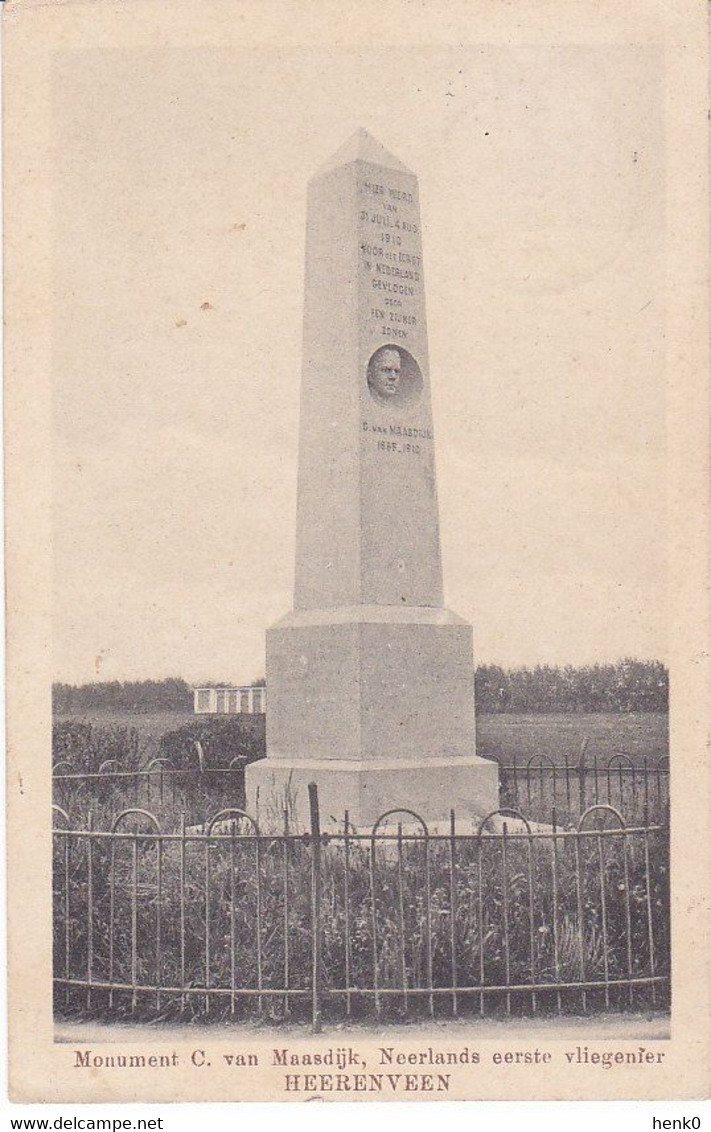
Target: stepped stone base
(369,789)
(375,704)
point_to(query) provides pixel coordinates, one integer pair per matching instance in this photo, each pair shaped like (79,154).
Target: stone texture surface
(370,683)
(370,678)
(369,790)
(367,517)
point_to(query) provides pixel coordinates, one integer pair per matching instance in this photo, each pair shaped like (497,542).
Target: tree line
(629,685)
(140,696)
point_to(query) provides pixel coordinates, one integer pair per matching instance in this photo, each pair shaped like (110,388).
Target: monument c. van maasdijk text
(370,678)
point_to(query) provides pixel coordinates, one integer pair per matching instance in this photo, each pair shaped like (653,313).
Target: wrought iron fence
(508,916)
(159,786)
(632,785)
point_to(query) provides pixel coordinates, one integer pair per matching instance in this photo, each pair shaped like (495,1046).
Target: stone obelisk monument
(370,678)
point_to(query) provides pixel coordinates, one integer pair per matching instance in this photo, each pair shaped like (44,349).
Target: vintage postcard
(357,550)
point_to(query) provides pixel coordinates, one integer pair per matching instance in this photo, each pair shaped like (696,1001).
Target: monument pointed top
(362,146)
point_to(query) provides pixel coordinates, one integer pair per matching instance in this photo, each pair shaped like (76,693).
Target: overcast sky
(180,212)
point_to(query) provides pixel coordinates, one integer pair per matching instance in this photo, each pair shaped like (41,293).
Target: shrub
(222,739)
(87,747)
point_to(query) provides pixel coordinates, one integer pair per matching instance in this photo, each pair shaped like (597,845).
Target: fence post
(315,909)
(582,771)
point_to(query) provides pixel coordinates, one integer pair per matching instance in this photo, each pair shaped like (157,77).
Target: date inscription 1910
(390,255)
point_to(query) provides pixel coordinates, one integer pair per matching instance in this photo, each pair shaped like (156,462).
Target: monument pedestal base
(375,704)
(370,683)
(366,790)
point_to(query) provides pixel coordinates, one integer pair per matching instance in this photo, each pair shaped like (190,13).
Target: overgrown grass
(515,921)
(561,941)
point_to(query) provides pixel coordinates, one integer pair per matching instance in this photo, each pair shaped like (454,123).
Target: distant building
(230,700)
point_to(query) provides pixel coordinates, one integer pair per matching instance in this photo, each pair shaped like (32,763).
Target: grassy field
(151,725)
(505,736)
(561,736)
